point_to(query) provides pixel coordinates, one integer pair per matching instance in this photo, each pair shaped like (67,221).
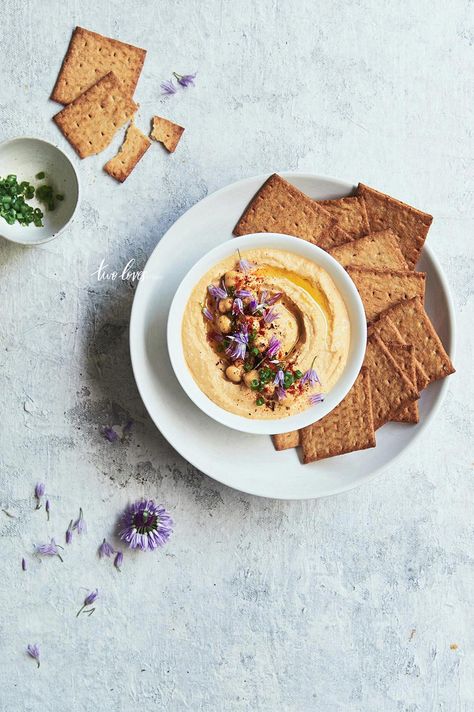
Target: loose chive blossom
(207,314)
(274,299)
(51,549)
(105,549)
(274,346)
(217,292)
(39,493)
(34,652)
(186,80)
(280,393)
(270,315)
(69,533)
(80,524)
(23,564)
(88,601)
(118,560)
(316,398)
(168,88)
(145,525)
(279,377)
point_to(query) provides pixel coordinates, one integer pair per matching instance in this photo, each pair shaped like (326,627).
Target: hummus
(266,334)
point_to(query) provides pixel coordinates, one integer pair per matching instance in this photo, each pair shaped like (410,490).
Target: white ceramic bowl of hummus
(273,344)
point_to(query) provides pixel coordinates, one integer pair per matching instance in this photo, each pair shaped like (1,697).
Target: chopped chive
(40,175)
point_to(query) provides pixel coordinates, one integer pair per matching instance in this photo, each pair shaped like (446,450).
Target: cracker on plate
(378,249)
(350,214)
(347,428)
(411,225)
(405,357)
(285,441)
(131,151)
(90,121)
(280,207)
(391,389)
(415,327)
(388,332)
(90,57)
(166,132)
(381,288)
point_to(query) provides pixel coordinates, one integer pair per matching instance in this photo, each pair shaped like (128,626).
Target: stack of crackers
(378,240)
(96,83)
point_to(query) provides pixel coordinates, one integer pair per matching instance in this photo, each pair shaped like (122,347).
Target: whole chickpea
(234,374)
(250,376)
(225,305)
(224,324)
(231,278)
(260,343)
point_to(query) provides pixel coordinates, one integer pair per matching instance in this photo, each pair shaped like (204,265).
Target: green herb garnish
(260,400)
(40,175)
(288,379)
(13,207)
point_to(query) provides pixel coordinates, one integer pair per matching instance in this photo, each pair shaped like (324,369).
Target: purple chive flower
(237,306)
(217,292)
(88,601)
(145,525)
(316,398)
(310,377)
(47,508)
(207,314)
(280,393)
(238,344)
(109,433)
(270,315)
(253,305)
(168,88)
(69,533)
(273,347)
(243,293)
(118,560)
(279,378)
(39,492)
(51,549)
(80,524)
(245,266)
(274,299)
(186,80)
(23,564)
(105,549)
(34,652)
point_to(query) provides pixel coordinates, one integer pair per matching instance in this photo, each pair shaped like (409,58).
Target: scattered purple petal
(88,601)
(237,306)
(238,344)
(245,266)
(273,347)
(51,549)
(274,299)
(280,393)
(69,533)
(217,292)
(106,549)
(243,293)
(279,378)
(39,492)
(253,305)
(80,524)
(23,564)
(207,314)
(34,652)
(186,80)
(270,315)
(109,433)
(118,560)
(47,508)
(310,377)
(145,525)
(316,398)
(168,88)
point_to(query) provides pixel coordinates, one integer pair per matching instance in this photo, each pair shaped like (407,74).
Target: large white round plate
(249,462)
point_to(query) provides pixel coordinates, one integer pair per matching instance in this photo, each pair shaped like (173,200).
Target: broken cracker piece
(380,250)
(381,288)
(411,225)
(350,213)
(166,132)
(90,57)
(131,151)
(280,207)
(90,121)
(285,441)
(347,428)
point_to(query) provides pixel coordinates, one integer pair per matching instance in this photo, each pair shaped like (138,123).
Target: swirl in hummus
(266,334)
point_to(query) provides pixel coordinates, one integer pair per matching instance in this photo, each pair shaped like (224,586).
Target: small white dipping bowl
(348,292)
(25,158)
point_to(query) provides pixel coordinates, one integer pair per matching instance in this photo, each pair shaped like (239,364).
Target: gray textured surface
(345,604)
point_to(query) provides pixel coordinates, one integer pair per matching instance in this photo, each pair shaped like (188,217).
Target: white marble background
(346,604)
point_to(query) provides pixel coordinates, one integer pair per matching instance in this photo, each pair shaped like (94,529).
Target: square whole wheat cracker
(90,57)
(347,428)
(390,388)
(415,327)
(285,441)
(90,121)
(131,151)
(166,132)
(381,288)
(378,249)
(280,207)
(405,357)
(388,332)
(411,225)
(350,214)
